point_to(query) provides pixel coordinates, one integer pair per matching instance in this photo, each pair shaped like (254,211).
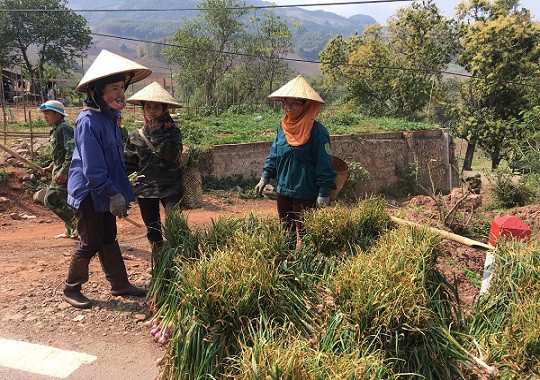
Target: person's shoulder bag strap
(147,142)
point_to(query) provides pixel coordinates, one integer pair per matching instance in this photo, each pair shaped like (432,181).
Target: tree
(6,43)
(263,68)
(273,44)
(57,38)
(501,49)
(203,45)
(396,71)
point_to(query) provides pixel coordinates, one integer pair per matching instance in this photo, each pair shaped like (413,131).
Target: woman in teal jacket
(300,158)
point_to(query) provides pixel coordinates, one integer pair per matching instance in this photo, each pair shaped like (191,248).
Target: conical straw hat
(107,64)
(154,92)
(296,88)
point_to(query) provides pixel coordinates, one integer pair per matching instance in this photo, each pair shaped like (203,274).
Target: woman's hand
(60,178)
(260,186)
(118,206)
(323,201)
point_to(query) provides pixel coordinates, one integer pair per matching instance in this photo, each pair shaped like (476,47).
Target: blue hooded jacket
(97,166)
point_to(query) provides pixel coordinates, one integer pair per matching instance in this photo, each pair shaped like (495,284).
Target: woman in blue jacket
(300,157)
(98,185)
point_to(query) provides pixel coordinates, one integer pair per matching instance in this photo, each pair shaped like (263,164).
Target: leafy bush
(249,109)
(407,183)
(507,192)
(525,156)
(356,174)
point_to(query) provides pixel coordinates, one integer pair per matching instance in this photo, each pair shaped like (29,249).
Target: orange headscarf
(297,124)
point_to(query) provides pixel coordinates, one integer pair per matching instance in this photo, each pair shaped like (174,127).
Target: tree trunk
(495,160)
(469,154)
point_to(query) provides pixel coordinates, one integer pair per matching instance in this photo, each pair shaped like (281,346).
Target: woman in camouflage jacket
(153,159)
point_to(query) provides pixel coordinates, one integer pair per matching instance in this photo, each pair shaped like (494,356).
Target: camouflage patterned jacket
(61,143)
(158,175)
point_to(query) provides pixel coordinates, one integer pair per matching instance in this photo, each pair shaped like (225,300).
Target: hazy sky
(382,11)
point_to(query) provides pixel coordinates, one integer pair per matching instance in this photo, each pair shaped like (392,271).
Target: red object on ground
(509,228)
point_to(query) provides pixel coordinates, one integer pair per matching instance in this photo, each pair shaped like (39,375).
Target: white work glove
(260,186)
(118,206)
(323,201)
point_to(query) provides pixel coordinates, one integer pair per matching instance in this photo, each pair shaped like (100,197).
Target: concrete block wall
(379,153)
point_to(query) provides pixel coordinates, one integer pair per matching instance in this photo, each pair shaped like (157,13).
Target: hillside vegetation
(311,30)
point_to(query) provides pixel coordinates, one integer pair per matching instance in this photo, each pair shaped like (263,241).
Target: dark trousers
(56,200)
(95,229)
(151,217)
(290,211)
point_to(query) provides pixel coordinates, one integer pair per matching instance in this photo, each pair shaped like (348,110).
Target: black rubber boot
(115,271)
(77,275)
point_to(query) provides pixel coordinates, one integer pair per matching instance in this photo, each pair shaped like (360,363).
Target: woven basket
(192,184)
(341,169)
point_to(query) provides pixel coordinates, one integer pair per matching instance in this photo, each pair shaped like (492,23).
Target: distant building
(14,84)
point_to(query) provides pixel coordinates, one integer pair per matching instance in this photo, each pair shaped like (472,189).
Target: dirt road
(32,310)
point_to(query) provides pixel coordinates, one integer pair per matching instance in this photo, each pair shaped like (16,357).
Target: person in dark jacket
(98,185)
(300,157)
(152,156)
(61,144)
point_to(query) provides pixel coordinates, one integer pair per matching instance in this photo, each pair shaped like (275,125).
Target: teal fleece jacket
(304,171)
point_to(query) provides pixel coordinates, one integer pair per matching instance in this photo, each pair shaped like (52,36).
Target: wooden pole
(129,220)
(445,234)
(31,134)
(3,102)
(41,85)
(25,160)
(24,96)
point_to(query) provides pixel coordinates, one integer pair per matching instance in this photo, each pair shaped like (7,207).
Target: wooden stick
(37,167)
(445,234)
(25,160)
(129,220)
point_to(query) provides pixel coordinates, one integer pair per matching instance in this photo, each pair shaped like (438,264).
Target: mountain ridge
(311,29)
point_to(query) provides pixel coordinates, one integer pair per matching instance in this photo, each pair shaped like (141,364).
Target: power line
(410,69)
(283,59)
(205,9)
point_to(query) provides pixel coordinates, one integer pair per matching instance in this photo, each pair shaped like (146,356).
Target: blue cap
(53,105)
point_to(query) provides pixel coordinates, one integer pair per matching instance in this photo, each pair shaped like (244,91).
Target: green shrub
(407,183)
(356,174)
(507,192)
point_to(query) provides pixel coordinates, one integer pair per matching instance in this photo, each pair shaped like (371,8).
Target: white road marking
(43,360)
